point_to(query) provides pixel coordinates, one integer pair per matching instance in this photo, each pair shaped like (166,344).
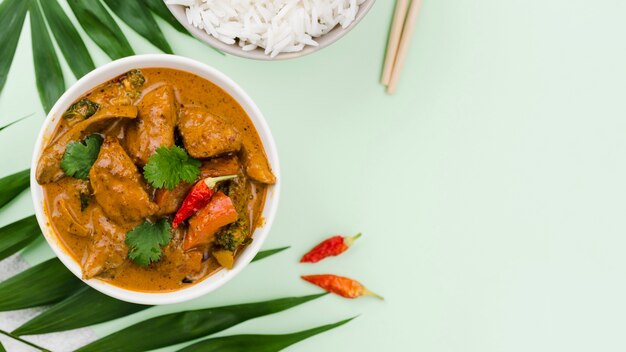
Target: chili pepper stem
(367,292)
(349,241)
(212,181)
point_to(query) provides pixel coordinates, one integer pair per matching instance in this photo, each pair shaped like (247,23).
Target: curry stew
(125,157)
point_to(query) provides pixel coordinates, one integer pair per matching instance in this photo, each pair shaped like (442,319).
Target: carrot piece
(202,227)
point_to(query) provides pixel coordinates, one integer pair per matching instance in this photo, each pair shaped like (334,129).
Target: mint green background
(490,189)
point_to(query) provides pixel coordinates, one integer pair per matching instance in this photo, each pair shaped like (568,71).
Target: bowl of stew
(155,179)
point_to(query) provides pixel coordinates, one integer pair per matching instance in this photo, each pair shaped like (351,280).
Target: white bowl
(114,69)
(258,54)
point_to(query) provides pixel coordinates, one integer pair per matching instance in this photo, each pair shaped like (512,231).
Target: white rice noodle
(277,26)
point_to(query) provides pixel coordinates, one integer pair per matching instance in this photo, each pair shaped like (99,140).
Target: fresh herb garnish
(84,109)
(79,156)
(170,165)
(85,198)
(145,241)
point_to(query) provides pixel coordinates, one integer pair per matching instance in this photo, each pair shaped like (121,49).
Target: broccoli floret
(223,187)
(134,79)
(83,109)
(232,236)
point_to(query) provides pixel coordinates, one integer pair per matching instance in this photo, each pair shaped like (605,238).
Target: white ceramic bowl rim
(114,69)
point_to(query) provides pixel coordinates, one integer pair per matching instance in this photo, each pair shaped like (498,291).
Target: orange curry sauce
(92,217)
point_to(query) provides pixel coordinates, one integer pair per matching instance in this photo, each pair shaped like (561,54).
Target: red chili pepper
(339,285)
(198,198)
(329,248)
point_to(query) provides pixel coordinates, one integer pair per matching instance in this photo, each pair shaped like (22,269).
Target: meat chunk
(66,209)
(188,263)
(222,166)
(113,94)
(107,249)
(154,126)
(49,166)
(118,186)
(206,135)
(256,164)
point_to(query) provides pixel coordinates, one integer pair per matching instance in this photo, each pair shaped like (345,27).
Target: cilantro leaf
(169,165)
(145,241)
(79,156)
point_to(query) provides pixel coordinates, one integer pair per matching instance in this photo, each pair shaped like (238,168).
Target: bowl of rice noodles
(269,29)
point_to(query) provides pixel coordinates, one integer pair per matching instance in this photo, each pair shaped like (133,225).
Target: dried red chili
(329,248)
(339,285)
(198,198)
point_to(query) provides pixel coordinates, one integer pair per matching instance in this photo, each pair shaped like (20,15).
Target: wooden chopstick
(405,41)
(394,39)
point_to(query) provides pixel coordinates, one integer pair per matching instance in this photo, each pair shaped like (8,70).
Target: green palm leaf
(68,39)
(159,8)
(141,21)
(101,27)
(12,15)
(14,122)
(88,307)
(97,22)
(45,283)
(2,348)
(267,253)
(48,73)
(18,235)
(84,308)
(12,185)
(28,343)
(257,343)
(179,327)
